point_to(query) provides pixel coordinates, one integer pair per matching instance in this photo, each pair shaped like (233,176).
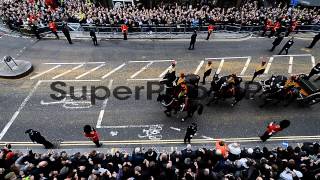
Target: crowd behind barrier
(225,161)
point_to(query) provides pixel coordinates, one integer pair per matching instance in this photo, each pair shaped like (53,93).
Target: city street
(26,102)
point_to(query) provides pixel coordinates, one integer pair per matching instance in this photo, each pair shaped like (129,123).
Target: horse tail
(200,110)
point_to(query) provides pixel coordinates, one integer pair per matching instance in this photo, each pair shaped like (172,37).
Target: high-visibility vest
(261,67)
(124,28)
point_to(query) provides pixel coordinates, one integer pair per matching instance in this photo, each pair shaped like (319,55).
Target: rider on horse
(229,83)
(182,96)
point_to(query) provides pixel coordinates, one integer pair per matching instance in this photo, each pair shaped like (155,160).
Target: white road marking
(150,79)
(104,105)
(142,69)
(63,63)
(38,75)
(220,66)
(243,57)
(199,67)
(294,55)
(166,60)
(290,65)
(245,66)
(164,72)
(15,115)
(313,61)
(68,71)
(90,71)
(113,71)
(269,65)
(176,129)
(130,126)
(206,137)
(72,80)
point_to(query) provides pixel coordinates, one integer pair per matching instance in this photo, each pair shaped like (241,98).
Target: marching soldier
(124,29)
(275,29)
(207,71)
(276,42)
(53,28)
(193,40)
(259,70)
(293,26)
(92,134)
(191,131)
(287,46)
(314,70)
(93,37)
(35,30)
(273,128)
(267,26)
(35,136)
(66,32)
(210,30)
(314,41)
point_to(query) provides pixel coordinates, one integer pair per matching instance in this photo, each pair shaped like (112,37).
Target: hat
(189,146)
(137,150)
(250,150)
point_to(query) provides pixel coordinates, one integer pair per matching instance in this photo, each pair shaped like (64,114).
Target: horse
(172,104)
(232,91)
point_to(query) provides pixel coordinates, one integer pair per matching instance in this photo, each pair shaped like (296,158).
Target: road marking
(294,55)
(245,66)
(15,115)
(62,63)
(269,65)
(64,73)
(176,129)
(104,105)
(206,137)
(113,71)
(199,67)
(220,66)
(290,65)
(313,61)
(130,126)
(166,60)
(165,72)
(150,79)
(142,69)
(38,75)
(243,57)
(73,80)
(86,73)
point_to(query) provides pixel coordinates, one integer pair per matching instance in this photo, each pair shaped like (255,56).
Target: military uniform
(124,29)
(191,131)
(35,136)
(314,70)
(287,46)
(314,41)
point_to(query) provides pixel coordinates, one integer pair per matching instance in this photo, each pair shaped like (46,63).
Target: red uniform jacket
(294,25)
(273,128)
(268,24)
(277,25)
(53,26)
(93,136)
(210,28)
(124,28)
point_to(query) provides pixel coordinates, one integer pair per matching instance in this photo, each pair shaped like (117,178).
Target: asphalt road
(26,102)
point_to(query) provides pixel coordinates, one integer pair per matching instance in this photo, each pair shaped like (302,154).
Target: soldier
(66,33)
(53,28)
(210,30)
(293,26)
(287,46)
(314,41)
(92,134)
(259,70)
(207,72)
(275,29)
(267,26)
(35,136)
(277,41)
(314,70)
(191,131)
(273,128)
(124,29)
(193,40)
(35,30)
(93,37)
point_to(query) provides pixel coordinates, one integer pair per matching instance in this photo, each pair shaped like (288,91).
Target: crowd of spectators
(224,162)
(39,12)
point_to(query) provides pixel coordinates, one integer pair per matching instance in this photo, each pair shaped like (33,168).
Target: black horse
(232,91)
(172,104)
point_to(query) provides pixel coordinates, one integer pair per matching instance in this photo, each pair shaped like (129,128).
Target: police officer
(207,71)
(259,70)
(287,46)
(314,41)
(314,70)
(66,33)
(35,136)
(277,41)
(191,131)
(93,37)
(193,40)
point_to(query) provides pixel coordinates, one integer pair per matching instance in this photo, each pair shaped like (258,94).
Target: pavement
(26,102)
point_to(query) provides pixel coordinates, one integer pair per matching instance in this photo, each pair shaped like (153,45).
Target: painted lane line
(38,75)
(294,55)
(15,115)
(90,71)
(199,67)
(142,69)
(269,65)
(62,63)
(64,73)
(220,66)
(104,105)
(245,66)
(166,60)
(113,71)
(150,79)
(313,61)
(206,137)
(164,72)
(176,129)
(240,57)
(130,126)
(290,65)
(73,80)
